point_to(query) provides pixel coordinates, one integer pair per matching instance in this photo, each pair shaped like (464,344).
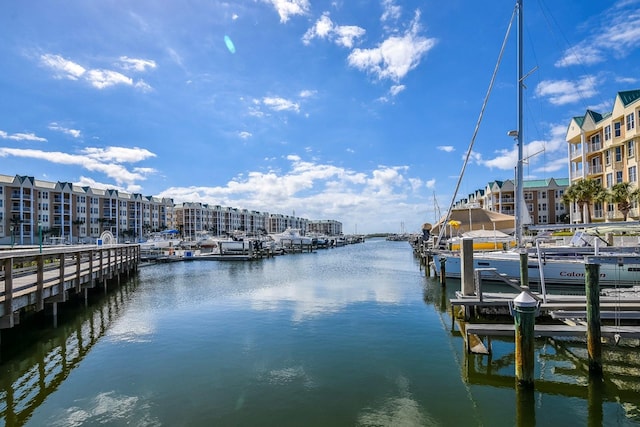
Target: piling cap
(524,300)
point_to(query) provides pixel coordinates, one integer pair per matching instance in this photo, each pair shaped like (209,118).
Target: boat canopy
(471,219)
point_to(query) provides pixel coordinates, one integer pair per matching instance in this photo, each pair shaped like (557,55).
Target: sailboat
(553,266)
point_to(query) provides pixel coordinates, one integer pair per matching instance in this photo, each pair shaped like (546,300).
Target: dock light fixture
(13,236)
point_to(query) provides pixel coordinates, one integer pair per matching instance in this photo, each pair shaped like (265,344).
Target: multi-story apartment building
(326,227)
(542,197)
(194,219)
(64,212)
(602,147)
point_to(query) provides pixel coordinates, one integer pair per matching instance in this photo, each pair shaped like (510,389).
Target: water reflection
(561,370)
(25,382)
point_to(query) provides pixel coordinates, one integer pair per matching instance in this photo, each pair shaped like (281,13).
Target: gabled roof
(597,117)
(629,96)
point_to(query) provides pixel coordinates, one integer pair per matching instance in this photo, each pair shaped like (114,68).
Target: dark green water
(352,336)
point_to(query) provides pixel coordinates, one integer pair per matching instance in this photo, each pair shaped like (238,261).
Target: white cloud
(280,104)
(107,161)
(391,11)
(396,89)
(316,190)
(21,136)
(134,64)
(63,67)
(627,80)
(98,78)
(446,148)
(72,132)
(105,78)
(324,28)
(581,55)
(537,152)
(561,92)
(616,35)
(245,134)
(118,154)
(395,56)
(288,8)
(307,93)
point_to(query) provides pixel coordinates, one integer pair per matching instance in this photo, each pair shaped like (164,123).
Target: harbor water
(350,336)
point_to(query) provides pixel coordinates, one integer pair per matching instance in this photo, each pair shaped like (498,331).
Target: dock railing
(30,278)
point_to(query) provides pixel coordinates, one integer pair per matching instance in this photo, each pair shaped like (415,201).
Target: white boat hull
(570,272)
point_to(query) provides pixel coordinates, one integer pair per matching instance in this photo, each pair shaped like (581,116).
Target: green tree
(584,193)
(623,195)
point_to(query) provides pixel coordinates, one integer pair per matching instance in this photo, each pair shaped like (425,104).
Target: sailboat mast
(519,196)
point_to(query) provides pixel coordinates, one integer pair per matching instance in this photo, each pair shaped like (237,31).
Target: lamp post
(40,234)
(13,237)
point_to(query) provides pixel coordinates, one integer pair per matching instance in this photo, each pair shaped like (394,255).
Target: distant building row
(543,198)
(72,213)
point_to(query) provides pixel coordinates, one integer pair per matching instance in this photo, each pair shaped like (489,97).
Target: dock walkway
(31,278)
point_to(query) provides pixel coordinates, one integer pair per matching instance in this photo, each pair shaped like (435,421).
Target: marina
(276,342)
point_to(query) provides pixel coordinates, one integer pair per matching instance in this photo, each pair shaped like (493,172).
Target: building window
(609,180)
(631,124)
(617,129)
(618,153)
(633,175)
(543,194)
(607,132)
(542,219)
(607,157)
(528,195)
(542,206)
(618,177)
(631,148)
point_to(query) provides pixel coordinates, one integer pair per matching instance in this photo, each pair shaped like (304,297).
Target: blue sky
(359,111)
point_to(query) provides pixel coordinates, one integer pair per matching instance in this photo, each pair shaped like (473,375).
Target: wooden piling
(443,271)
(466,267)
(594,333)
(524,269)
(524,316)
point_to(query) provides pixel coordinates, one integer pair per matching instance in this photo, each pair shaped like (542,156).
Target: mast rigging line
(477,127)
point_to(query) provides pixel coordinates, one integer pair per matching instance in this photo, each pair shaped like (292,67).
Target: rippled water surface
(343,337)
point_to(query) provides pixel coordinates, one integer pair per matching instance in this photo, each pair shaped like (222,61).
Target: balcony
(594,170)
(575,151)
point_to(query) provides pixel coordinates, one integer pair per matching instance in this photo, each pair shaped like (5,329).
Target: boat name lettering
(576,274)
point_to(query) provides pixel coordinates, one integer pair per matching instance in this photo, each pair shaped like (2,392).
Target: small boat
(291,236)
(484,240)
(164,239)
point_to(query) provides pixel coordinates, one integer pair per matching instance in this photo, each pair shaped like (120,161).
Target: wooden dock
(570,310)
(31,278)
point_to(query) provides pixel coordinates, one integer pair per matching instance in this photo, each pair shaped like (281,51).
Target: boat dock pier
(567,312)
(31,278)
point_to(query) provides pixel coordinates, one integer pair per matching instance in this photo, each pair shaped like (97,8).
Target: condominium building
(602,146)
(195,219)
(32,209)
(326,227)
(542,197)
(62,212)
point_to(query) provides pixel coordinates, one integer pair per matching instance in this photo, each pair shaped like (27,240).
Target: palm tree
(583,193)
(622,194)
